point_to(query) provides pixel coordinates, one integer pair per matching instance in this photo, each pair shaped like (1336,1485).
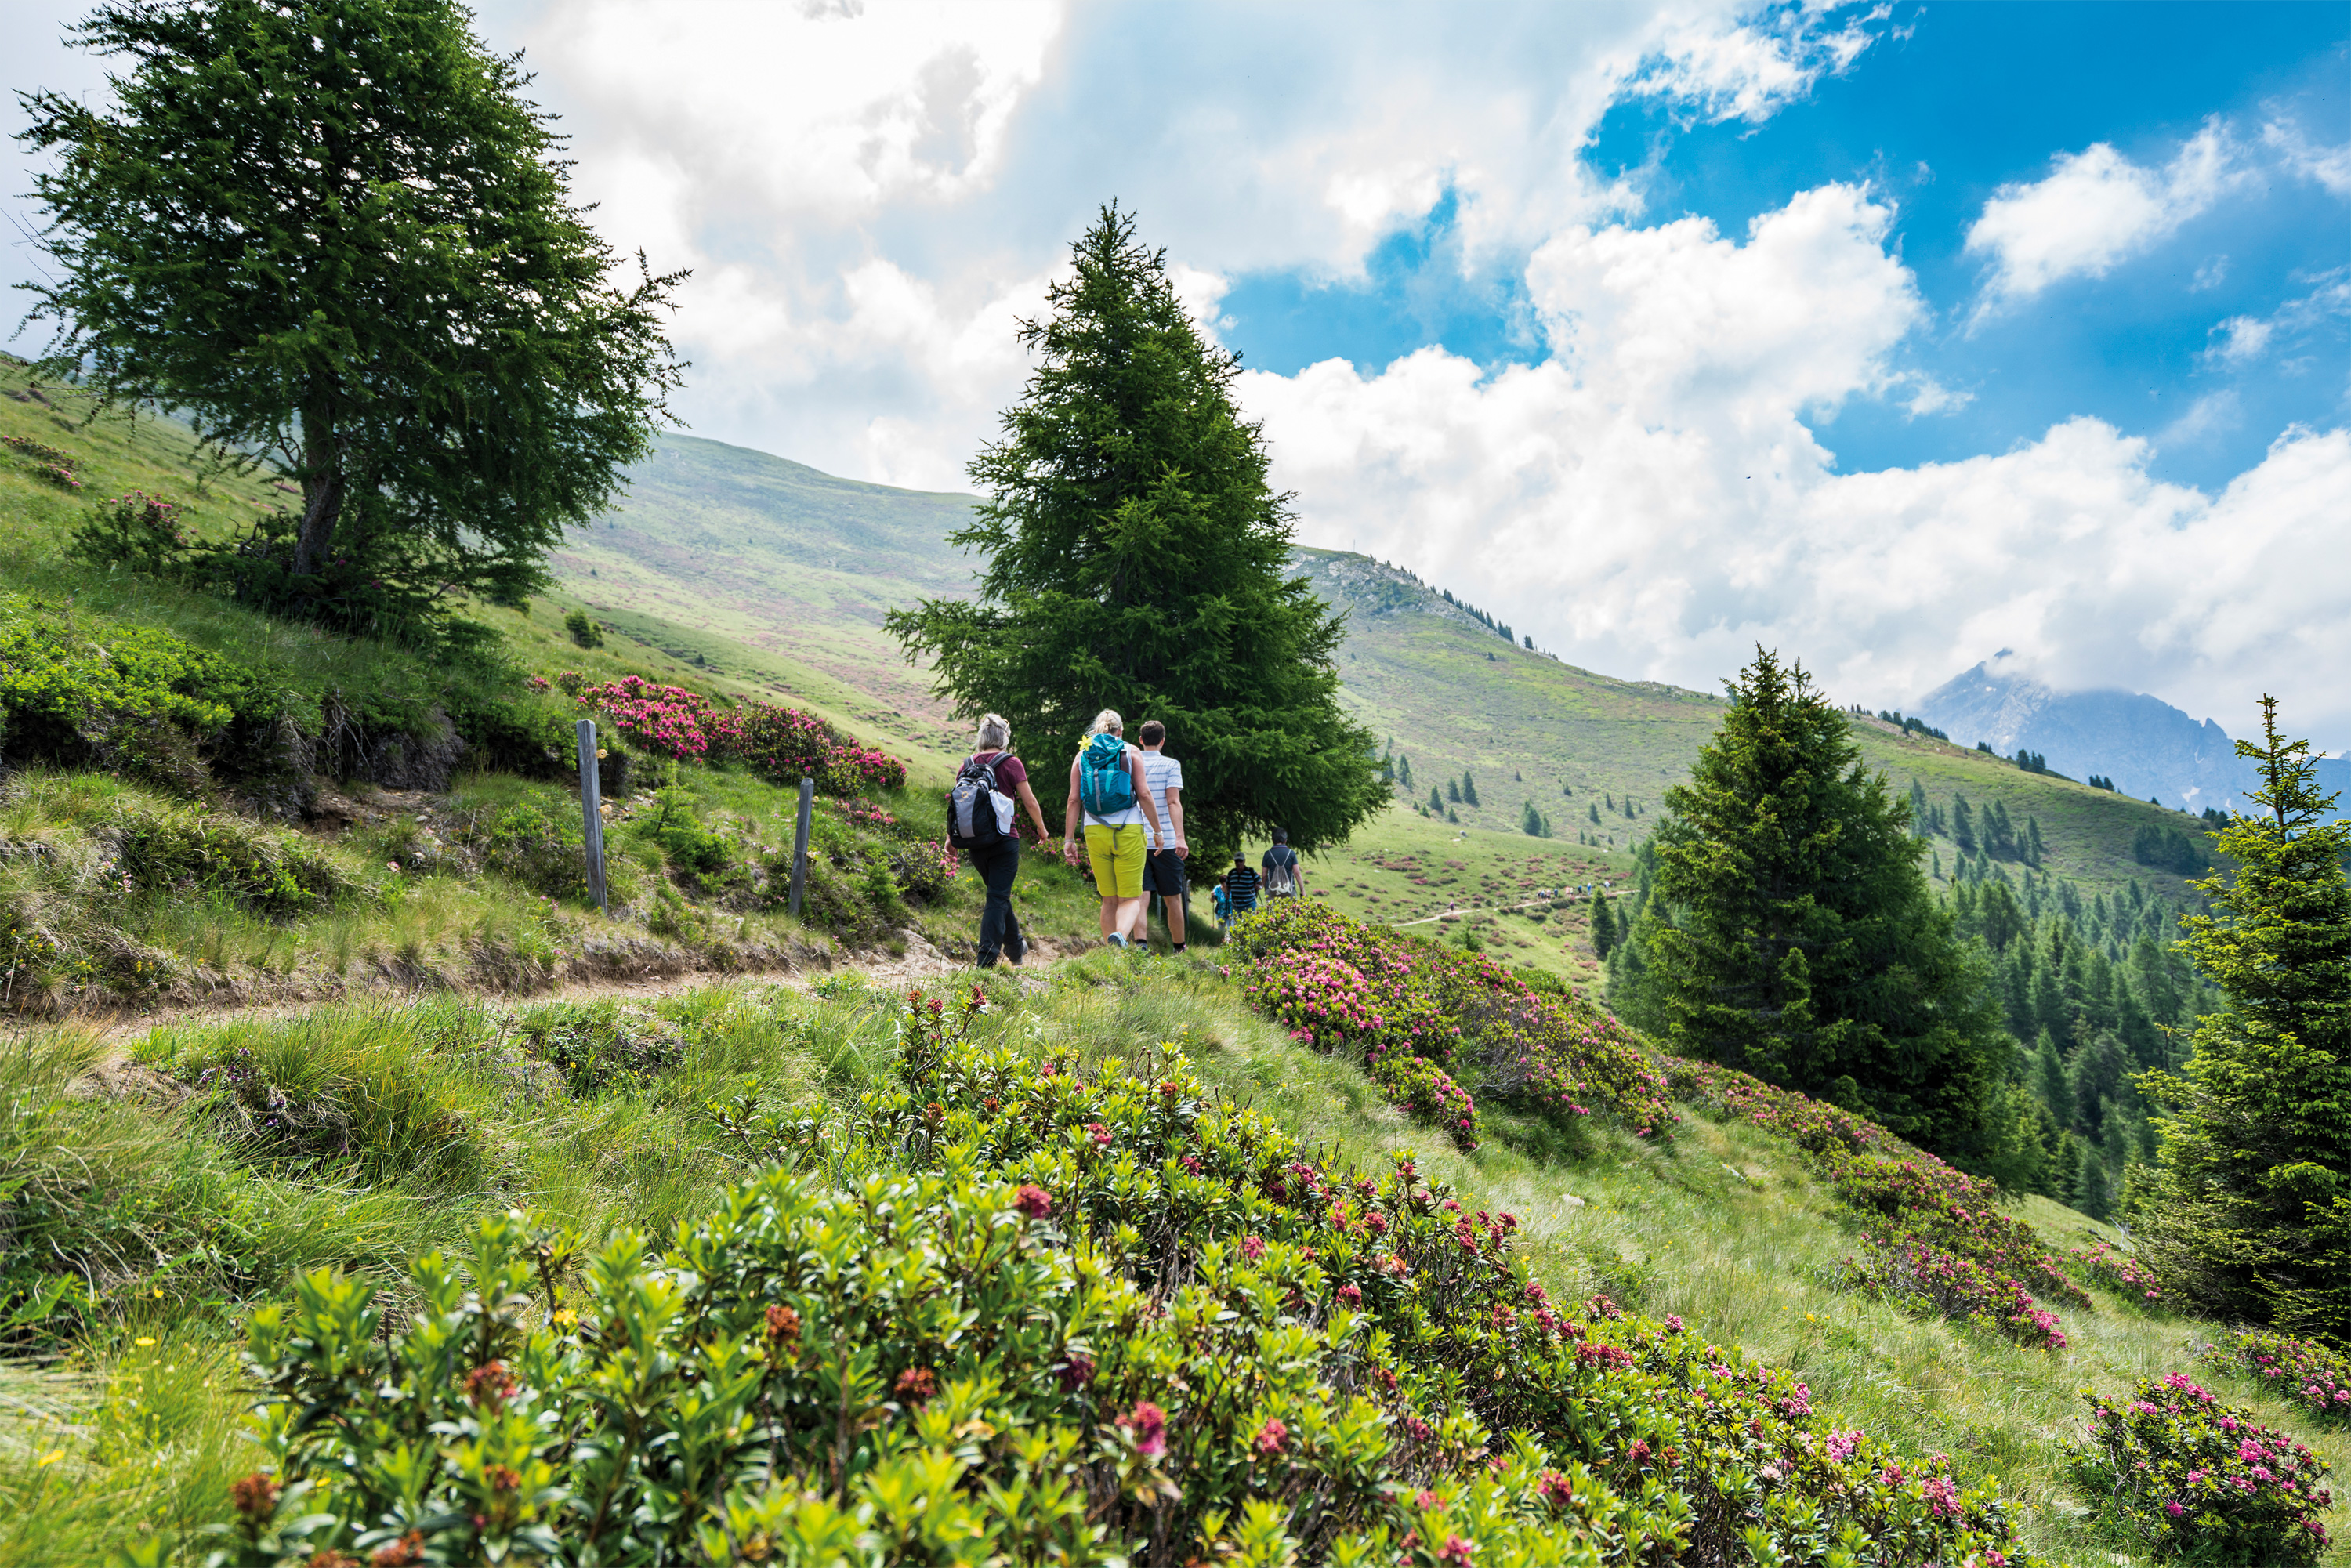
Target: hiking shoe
(1118,941)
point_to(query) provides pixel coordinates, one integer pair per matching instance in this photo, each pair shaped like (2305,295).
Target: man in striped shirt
(1163,868)
(1241,886)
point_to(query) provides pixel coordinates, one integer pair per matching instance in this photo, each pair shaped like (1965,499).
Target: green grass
(730,562)
(401,1124)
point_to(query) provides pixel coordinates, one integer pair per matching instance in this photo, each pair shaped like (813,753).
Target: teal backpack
(1104,786)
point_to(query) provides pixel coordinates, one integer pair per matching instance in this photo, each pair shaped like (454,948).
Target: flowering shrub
(995,1315)
(2119,1272)
(1921,1197)
(44,462)
(1812,1125)
(2301,1370)
(1925,1279)
(1480,1030)
(1322,1001)
(922,869)
(2189,1477)
(1941,1243)
(668,721)
(781,744)
(1427,1094)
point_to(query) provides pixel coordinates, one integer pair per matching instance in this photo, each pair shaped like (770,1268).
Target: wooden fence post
(799,844)
(590,801)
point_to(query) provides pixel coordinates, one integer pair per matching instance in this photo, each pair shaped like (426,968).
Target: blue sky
(1949,104)
(1890,335)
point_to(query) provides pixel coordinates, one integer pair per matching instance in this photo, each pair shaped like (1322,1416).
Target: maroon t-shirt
(1010,774)
(1010,771)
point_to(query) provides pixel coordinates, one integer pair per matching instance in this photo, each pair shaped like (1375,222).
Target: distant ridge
(2145,745)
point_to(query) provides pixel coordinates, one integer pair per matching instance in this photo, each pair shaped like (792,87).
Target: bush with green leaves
(1345,984)
(542,846)
(1008,1311)
(1941,1245)
(95,855)
(136,698)
(273,873)
(2120,1272)
(597,1045)
(2175,1471)
(2313,1375)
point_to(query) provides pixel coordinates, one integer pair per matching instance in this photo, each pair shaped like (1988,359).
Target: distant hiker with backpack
(1284,877)
(980,824)
(1108,791)
(1164,873)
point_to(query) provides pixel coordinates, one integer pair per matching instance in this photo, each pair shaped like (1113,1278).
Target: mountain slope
(730,546)
(774,555)
(2144,744)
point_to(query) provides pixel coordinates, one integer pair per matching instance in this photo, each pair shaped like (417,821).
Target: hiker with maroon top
(991,779)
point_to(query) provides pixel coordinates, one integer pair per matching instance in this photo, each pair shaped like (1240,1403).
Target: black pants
(999,928)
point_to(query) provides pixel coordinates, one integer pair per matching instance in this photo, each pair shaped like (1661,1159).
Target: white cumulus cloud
(2096,209)
(1651,503)
(2330,166)
(1749,71)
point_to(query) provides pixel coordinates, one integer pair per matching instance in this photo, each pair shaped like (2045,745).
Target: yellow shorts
(1116,855)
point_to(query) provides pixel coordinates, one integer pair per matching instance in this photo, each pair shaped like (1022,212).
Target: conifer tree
(2250,1211)
(1799,942)
(2094,1190)
(1468,789)
(1436,802)
(1453,789)
(1604,927)
(338,238)
(1137,559)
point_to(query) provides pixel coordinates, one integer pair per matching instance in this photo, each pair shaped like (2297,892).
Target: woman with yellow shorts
(1108,794)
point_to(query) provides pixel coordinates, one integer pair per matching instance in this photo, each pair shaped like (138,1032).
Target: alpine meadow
(525,1036)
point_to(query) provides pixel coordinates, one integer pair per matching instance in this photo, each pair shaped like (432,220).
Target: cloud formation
(1653,502)
(2095,208)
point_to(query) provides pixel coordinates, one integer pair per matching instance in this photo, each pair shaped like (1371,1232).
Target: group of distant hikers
(1129,801)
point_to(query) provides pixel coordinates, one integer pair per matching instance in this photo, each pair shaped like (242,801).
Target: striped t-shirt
(1160,773)
(1241,886)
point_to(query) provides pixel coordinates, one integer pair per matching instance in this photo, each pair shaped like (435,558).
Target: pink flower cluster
(1924,1278)
(781,743)
(1434,1023)
(668,720)
(2118,1271)
(1322,1001)
(1928,1218)
(2308,1372)
(2189,1474)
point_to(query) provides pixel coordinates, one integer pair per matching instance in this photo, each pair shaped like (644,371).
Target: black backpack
(972,814)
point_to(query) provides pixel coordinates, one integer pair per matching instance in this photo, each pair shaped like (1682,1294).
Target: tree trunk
(322,493)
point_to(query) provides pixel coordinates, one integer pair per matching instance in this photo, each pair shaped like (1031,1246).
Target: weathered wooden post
(799,843)
(591,804)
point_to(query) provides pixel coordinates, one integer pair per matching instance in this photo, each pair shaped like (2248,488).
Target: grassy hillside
(735,547)
(152,1193)
(112,886)
(760,571)
(402,1125)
